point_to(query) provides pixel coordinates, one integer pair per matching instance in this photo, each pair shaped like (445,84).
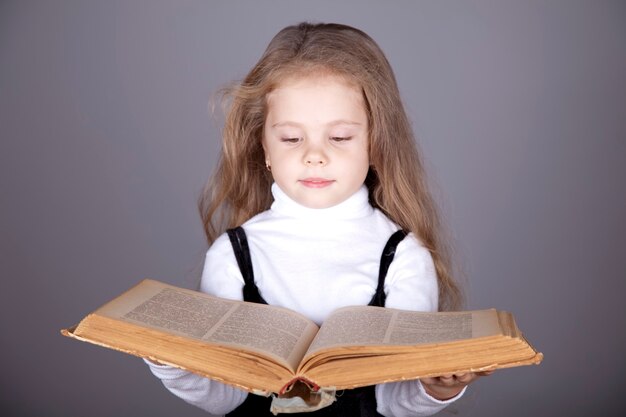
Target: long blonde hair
(240,186)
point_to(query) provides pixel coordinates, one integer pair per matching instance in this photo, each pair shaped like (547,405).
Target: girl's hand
(448,386)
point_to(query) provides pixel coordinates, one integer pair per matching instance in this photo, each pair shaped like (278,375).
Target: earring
(268,166)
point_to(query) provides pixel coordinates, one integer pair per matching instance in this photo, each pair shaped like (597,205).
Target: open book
(266,349)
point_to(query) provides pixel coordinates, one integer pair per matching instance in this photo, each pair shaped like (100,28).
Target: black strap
(239,242)
(251,293)
(385,260)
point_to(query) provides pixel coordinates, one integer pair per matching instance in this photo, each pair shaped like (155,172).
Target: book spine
(299,380)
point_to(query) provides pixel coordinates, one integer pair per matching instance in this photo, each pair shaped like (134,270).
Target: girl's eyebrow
(333,123)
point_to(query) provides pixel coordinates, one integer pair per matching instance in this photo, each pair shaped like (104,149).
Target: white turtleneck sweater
(314,261)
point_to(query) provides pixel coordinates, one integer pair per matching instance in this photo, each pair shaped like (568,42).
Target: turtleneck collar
(356,206)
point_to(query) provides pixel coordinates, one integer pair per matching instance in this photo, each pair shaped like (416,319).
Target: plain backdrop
(106,139)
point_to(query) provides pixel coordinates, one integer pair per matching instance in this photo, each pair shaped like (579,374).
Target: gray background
(106,141)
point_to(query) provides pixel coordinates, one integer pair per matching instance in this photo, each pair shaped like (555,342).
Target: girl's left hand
(448,386)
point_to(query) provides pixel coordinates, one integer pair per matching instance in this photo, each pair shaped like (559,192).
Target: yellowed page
(418,361)
(370,326)
(274,331)
(413,328)
(286,335)
(360,346)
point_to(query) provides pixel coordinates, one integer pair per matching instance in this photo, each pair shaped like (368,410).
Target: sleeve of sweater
(411,284)
(211,396)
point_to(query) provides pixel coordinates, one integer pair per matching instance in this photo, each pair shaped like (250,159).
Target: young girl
(320,168)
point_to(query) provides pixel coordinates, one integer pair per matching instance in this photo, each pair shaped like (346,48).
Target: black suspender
(385,260)
(239,242)
(251,293)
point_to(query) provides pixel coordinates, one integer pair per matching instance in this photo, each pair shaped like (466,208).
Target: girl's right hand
(446,387)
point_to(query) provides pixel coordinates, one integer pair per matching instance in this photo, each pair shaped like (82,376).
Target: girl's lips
(316,182)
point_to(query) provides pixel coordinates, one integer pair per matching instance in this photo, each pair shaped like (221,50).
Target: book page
(285,335)
(271,330)
(409,329)
(180,313)
(352,326)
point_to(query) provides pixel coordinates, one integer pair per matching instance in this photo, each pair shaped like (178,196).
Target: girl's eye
(340,138)
(290,140)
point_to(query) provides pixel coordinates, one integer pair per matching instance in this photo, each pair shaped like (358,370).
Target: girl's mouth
(316,182)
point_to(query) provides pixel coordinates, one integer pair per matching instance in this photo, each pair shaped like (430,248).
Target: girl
(320,167)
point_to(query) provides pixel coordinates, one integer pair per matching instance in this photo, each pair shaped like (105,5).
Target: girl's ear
(268,163)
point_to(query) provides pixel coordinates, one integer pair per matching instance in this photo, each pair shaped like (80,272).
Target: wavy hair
(240,186)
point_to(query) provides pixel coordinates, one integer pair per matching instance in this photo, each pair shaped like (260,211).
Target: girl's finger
(465,378)
(447,380)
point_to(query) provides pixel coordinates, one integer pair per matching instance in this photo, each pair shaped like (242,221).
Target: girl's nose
(315,157)
(315,161)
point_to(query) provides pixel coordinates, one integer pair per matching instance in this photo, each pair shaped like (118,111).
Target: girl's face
(316,139)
